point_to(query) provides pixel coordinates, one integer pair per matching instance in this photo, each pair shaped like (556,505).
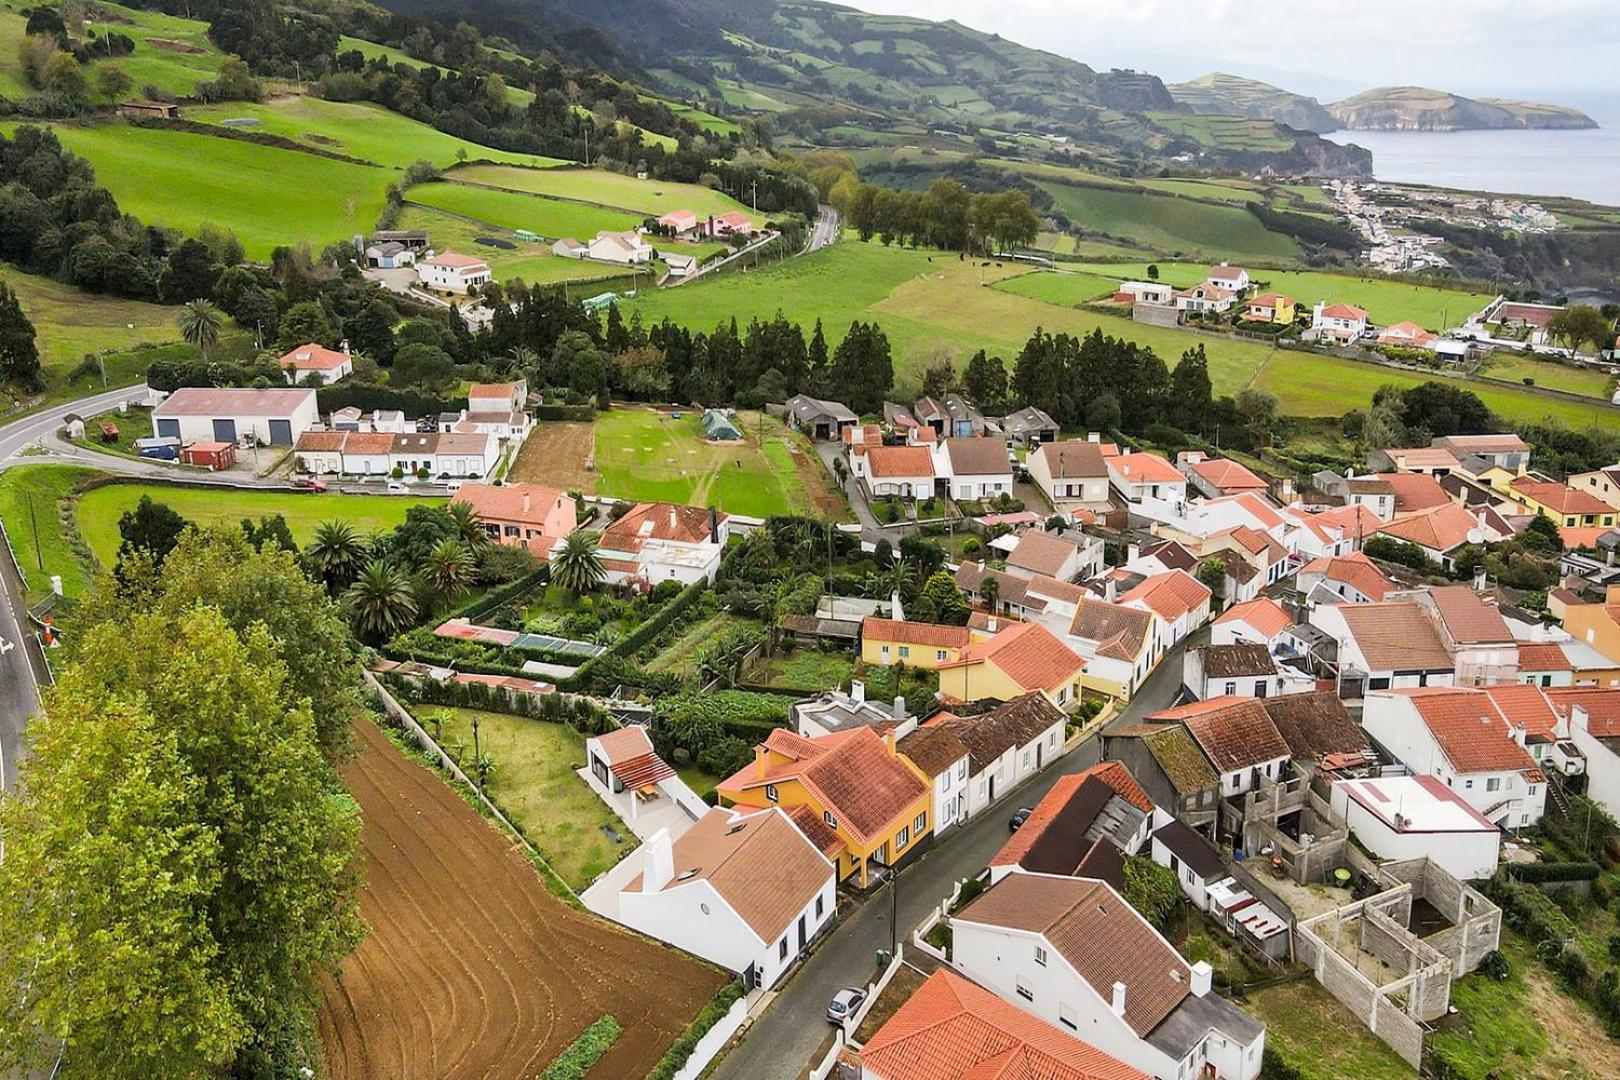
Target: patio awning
(644,771)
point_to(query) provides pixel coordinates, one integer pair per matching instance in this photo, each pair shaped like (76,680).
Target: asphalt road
(825,230)
(781,1042)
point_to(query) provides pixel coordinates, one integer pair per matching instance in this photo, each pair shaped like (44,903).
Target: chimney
(1202,977)
(760,764)
(857,690)
(714,526)
(345,346)
(1119,999)
(525,502)
(1479,579)
(1094,436)
(991,624)
(899,710)
(658,865)
(1110,590)
(1609,557)
(672,518)
(896,612)
(1517,731)
(1133,551)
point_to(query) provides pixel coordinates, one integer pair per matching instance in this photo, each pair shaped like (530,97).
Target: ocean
(1578,164)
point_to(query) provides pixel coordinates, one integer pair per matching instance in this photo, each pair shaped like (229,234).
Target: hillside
(1413,108)
(1219,94)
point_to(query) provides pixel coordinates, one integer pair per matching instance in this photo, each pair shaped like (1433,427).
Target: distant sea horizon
(1581,164)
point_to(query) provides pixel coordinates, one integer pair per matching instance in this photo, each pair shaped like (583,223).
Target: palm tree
(200,321)
(380,602)
(575,566)
(523,359)
(468,527)
(448,570)
(336,555)
(898,577)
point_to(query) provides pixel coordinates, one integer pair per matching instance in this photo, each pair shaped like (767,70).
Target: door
(801,933)
(1040,749)
(168,429)
(992,787)
(224,431)
(281,433)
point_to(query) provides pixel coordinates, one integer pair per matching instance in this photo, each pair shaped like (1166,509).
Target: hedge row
(585,1051)
(1558,871)
(565,412)
(498,598)
(675,1057)
(615,667)
(370,398)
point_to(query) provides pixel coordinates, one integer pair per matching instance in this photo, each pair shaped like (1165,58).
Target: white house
(747,891)
(1593,718)
(906,471)
(570,248)
(680,222)
(316,365)
(453,272)
(974,468)
(1414,817)
(1196,863)
(1073,952)
(1259,622)
(267,417)
(1066,556)
(944,758)
(1082,827)
(1071,473)
(1461,737)
(1151,485)
(389,255)
(1228,276)
(1147,292)
(1238,738)
(1180,601)
(1232,671)
(638,784)
(1005,745)
(1340,323)
(1206,298)
(623,248)
(1383,646)
(506,397)
(321,452)
(657,542)
(1343,579)
(1121,645)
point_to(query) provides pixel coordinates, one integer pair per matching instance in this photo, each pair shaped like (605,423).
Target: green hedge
(498,598)
(649,630)
(565,412)
(1532,873)
(585,1051)
(675,1057)
(370,398)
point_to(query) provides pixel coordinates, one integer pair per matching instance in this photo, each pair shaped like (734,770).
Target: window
(1468,784)
(1231,688)
(1532,789)
(832,822)
(1493,784)
(819,902)
(513,530)
(1063,695)
(922,822)
(781,949)
(905,652)
(1024,990)
(1026,759)
(770,792)
(902,838)
(1066,1017)
(1381,683)
(1040,956)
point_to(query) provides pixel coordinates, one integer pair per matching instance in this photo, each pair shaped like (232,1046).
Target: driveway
(781,1042)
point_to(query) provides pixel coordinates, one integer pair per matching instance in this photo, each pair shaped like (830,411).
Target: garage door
(225,431)
(168,429)
(281,433)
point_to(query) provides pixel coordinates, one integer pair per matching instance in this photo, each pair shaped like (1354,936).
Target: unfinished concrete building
(1290,825)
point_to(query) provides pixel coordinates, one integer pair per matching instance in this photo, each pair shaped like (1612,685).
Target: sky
(1562,49)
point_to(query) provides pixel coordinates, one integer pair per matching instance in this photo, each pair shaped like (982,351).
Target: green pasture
(30,500)
(1169,224)
(647,198)
(69,323)
(532,262)
(1514,367)
(1065,290)
(552,218)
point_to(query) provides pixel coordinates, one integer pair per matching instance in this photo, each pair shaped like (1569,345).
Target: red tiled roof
(1262,613)
(233,401)
(1144,468)
(952,1029)
(1112,773)
(662,521)
(1439,528)
(1343,311)
(1229,476)
(624,743)
(1170,595)
(1602,705)
(1469,619)
(1560,498)
(1120,632)
(1256,505)
(906,632)
(369,442)
(1415,491)
(1027,653)
(1041,552)
(1525,706)
(511,501)
(315,442)
(1470,731)
(1233,732)
(1355,570)
(1574,536)
(313,357)
(1395,636)
(815,830)
(906,461)
(455,261)
(1543,656)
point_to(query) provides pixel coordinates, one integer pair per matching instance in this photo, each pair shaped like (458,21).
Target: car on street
(1020,816)
(845,1004)
(397,487)
(452,486)
(309,483)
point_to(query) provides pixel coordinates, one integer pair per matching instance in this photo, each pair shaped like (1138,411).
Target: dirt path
(555,453)
(471,968)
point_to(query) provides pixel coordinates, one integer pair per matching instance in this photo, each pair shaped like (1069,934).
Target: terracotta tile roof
(510,502)
(1183,763)
(1041,552)
(906,461)
(369,442)
(952,1029)
(455,261)
(1316,725)
(1263,613)
(1355,570)
(986,623)
(1470,731)
(815,830)
(1469,619)
(1111,774)
(1031,592)
(1343,311)
(933,750)
(852,773)
(1439,528)
(316,442)
(1422,457)
(1574,536)
(1257,506)
(1017,723)
(1120,632)
(1027,653)
(1225,273)
(1405,333)
(1560,498)
(1144,468)
(1525,706)
(1074,459)
(223,402)
(758,863)
(1543,656)
(1098,933)
(313,357)
(1602,705)
(630,757)
(1230,476)
(1236,661)
(624,744)
(1396,636)
(906,632)
(977,457)
(1234,733)
(1415,491)
(1485,444)
(1532,314)
(1170,595)
(663,521)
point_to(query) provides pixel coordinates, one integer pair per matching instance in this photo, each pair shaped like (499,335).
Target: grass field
(171,53)
(1170,224)
(358,129)
(1574,380)
(30,501)
(98,511)
(645,198)
(552,218)
(267,196)
(681,656)
(1065,290)
(1386,300)
(534,263)
(69,323)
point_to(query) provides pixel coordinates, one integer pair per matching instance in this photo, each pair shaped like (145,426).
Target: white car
(452,486)
(845,1004)
(397,487)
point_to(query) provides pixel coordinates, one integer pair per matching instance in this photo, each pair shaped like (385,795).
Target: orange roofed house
(522,515)
(658,542)
(874,801)
(886,642)
(1021,659)
(316,365)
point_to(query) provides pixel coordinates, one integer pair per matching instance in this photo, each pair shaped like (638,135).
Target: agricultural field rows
(1170,224)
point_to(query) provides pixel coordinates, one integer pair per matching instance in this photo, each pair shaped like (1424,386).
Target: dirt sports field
(471,968)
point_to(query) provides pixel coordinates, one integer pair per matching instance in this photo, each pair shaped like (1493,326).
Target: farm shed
(274,417)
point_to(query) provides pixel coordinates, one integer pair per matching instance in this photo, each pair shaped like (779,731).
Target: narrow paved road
(783,1040)
(824,231)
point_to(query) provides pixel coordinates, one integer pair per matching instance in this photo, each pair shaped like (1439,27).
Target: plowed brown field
(471,968)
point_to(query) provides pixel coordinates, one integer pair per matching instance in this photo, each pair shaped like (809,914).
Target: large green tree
(575,566)
(179,856)
(381,602)
(19,355)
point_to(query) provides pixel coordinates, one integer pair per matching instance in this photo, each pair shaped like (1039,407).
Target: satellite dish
(1476,536)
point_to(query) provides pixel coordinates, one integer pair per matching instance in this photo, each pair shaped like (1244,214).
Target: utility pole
(39,556)
(894,912)
(476,754)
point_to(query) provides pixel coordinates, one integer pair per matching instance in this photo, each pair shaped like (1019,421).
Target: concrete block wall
(1401,1032)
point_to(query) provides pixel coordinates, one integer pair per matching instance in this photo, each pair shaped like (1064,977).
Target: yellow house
(1598,625)
(1023,658)
(1498,479)
(886,642)
(1274,308)
(1569,508)
(868,806)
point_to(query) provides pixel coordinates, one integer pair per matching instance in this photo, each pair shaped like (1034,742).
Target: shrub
(1555,871)
(1495,966)
(585,1051)
(712,1013)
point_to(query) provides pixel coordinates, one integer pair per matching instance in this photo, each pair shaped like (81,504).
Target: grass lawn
(646,198)
(647,456)
(1171,224)
(698,780)
(534,263)
(267,196)
(552,218)
(1320,1037)
(806,668)
(681,654)
(30,504)
(1575,380)
(358,129)
(135,424)
(69,323)
(1065,290)
(534,781)
(1387,300)
(99,510)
